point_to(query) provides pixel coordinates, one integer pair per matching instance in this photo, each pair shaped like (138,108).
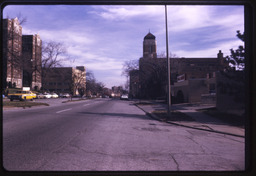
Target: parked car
(124,97)
(22,95)
(47,95)
(65,95)
(105,96)
(54,95)
(40,96)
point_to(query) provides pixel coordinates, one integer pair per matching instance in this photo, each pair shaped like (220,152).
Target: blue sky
(102,38)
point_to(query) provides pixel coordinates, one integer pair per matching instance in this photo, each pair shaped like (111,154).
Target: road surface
(110,135)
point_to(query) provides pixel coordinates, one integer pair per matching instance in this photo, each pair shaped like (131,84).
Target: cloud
(127,12)
(210,52)
(192,17)
(102,38)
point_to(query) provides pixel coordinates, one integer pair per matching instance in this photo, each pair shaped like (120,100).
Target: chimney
(220,55)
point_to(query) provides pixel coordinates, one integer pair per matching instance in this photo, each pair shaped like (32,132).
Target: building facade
(196,77)
(188,75)
(65,80)
(12,53)
(32,61)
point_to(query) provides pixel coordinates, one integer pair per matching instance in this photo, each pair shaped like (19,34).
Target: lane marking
(63,110)
(91,104)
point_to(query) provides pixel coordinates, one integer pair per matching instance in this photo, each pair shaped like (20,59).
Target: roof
(149,36)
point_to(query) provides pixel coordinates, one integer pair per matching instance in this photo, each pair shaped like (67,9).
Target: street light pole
(168,66)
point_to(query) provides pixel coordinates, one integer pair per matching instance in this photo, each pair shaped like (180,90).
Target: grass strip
(7,104)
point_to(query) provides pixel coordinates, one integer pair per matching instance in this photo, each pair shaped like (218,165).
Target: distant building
(12,53)
(32,58)
(65,80)
(116,91)
(188,75)
(196,76)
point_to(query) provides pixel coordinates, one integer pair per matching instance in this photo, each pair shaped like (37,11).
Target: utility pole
(168,66)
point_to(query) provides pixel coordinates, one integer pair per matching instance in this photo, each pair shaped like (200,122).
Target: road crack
(175,161)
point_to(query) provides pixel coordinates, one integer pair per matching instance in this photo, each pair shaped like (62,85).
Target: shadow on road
(144,117)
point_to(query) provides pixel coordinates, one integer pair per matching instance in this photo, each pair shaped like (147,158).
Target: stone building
(65,80)
(12,53)
(188,75)
(32,61)
(149,46)
(193,78)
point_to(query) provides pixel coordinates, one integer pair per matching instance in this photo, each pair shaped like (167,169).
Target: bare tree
(53,55)
(22,19)
(153,77)
(129,66)
(93,87)
(78,82)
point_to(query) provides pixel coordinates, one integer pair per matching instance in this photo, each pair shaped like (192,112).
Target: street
(110,135)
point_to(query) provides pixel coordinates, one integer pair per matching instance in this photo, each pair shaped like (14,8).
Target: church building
(150,81)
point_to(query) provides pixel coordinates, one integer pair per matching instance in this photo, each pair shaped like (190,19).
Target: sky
(103,37)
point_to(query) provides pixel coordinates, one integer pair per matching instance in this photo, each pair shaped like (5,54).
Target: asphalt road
(110,135)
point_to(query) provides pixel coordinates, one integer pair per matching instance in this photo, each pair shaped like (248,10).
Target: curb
(196,128)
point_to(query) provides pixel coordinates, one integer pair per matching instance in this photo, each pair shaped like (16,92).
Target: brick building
(32,59)
(149,46)
(12,53)
(153,74)
(64,80)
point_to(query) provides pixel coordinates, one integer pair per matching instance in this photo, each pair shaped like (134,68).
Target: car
(47,95)
(65,95)
(54,95)
(22,95)
(39,96)
(124,97)
(105,96)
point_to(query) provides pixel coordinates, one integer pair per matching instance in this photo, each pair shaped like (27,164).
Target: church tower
(149,46)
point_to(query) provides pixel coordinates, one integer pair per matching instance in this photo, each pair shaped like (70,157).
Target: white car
(47,95)
(124,97)
(54,95)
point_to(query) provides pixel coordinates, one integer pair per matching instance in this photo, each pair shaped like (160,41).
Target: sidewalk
(199,120)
